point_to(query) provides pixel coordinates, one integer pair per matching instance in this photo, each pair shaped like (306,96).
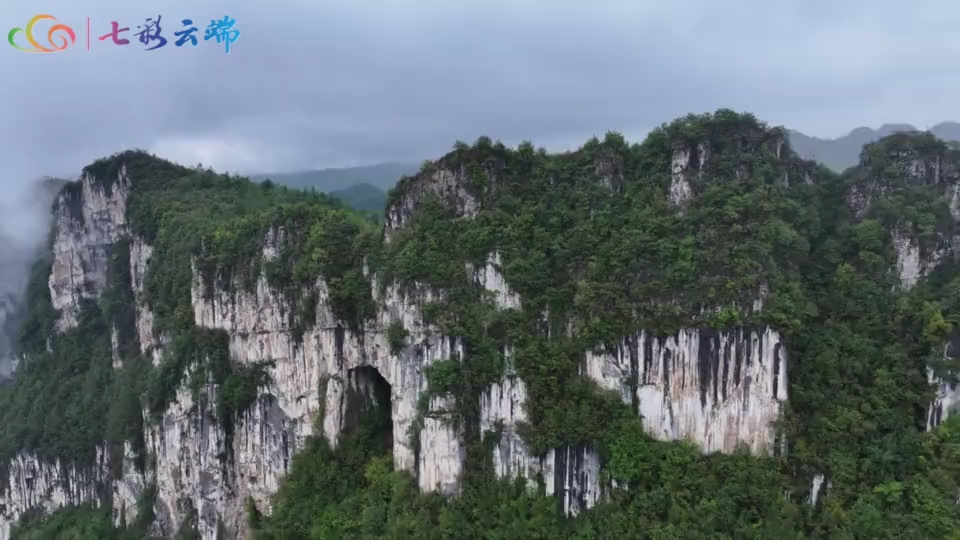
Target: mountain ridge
(843,152)
(837,153)
(700,335)
(380,175)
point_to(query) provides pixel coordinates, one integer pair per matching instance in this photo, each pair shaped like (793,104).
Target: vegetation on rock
(597,251)
(67,386)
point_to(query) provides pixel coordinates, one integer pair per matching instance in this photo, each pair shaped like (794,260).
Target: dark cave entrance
(368,410)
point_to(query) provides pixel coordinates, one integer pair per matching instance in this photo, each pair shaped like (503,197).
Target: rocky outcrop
(150,345)
(911,267)
(947,397)
(34,484)
(570,473)
(89,217)
(888,167)
(946,401)
(313,373)
(686,161)
(501,406)
(719,389)
(446,184)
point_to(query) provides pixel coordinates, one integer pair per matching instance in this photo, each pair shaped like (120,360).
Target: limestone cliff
(908,184)
(313,372)
(309,373)
(902,166)
(710,368)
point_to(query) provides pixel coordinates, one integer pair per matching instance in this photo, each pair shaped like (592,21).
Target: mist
(24,226)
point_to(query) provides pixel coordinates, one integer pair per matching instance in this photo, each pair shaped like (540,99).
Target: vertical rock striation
(89,217)
(719,389)
(32,484)
(716,389)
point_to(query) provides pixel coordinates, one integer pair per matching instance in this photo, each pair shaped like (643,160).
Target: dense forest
(591,238)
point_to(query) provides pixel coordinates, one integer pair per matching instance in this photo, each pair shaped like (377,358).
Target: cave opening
(368,411)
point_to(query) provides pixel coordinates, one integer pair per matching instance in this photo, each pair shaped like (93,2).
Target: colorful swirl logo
(51,34)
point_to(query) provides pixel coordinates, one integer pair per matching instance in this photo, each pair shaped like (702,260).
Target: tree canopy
(591,239)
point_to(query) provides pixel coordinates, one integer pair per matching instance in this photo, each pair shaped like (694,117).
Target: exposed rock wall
(189,446)
(947,397)
(150,345)
(87,221)
(720,390)
(686,161)
(717,389)
(445,184)
(572,474)
(35,484)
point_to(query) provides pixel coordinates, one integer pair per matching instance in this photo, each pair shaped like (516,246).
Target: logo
(151,34)
(51,34)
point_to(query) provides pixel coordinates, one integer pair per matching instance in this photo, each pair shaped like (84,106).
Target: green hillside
(382,176)
(362,196)
(599,250)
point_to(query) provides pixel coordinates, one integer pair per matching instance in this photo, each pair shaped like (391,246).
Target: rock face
(719,390)
(892,165)
(570,473)
(86,223)
(187,446)
(48,486)
(446,184)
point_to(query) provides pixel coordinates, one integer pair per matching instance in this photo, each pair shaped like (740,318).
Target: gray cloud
(314,84)
(331,83)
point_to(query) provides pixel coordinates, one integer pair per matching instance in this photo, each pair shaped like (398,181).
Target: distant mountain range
(363,196)
(844,152)
(382,176)
(365,187)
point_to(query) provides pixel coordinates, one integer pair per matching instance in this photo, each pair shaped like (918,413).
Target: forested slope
(856,272)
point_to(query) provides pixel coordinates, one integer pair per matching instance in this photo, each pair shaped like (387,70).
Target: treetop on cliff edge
(733,141)
(739,138)
(908,158)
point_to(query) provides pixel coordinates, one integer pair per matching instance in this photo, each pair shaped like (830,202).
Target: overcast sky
(326,83)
